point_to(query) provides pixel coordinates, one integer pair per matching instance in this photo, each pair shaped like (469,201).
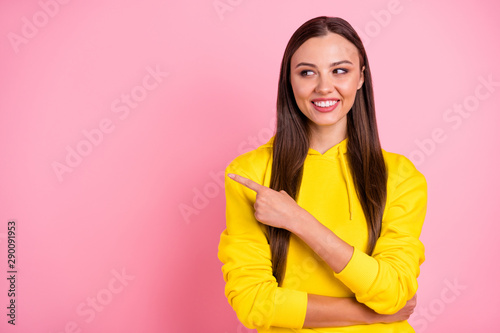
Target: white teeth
(326,104)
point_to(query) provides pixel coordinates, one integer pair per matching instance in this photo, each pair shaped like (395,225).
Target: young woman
(323,225)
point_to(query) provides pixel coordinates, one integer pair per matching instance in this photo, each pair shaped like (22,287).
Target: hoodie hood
(339,152)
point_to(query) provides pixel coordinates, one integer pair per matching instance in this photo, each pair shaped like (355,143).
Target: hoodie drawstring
(346,177)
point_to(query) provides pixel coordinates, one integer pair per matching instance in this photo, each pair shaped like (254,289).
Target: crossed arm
(279,210)
(324,311)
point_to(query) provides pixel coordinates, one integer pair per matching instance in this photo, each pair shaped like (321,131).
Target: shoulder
(406,203)
(401,170)
(253,164)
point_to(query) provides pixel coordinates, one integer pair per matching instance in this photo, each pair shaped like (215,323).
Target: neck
(323,138)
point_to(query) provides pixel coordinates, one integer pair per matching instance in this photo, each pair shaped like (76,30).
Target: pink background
(66,70)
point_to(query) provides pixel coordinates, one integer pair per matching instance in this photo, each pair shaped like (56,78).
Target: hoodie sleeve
(251,289)
(387,279)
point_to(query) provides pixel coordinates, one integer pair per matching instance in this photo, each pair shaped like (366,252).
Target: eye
(306,72)
(340,71)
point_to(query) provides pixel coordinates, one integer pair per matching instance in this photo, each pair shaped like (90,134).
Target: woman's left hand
(277,209)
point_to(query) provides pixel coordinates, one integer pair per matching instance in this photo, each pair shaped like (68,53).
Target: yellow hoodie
(383,281)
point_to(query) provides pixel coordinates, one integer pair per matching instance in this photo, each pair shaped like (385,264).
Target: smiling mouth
(325,104)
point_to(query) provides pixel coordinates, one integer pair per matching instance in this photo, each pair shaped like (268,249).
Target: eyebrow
(333,64)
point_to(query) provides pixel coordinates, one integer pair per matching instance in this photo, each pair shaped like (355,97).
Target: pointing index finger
(247,182)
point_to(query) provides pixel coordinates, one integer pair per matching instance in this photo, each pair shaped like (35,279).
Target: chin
(328,122)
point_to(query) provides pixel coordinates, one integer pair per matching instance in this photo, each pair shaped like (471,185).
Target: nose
(324,85)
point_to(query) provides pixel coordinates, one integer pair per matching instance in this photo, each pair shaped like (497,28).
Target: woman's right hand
(402,314)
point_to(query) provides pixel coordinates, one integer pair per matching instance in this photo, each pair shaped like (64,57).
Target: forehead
(325,50)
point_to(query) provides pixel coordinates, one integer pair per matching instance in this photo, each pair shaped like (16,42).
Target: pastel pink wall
(117,116)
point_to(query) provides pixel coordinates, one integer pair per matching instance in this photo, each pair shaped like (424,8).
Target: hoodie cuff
(359,273)
(290,308)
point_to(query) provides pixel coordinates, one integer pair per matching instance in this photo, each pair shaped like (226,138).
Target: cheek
(296,93)
(348,88)
(300,91)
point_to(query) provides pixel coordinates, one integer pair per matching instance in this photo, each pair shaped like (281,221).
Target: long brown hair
(291,142)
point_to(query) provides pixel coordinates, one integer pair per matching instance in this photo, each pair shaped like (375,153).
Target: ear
(361,78)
